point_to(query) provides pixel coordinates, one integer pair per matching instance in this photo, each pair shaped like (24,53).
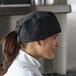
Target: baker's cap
(37,25)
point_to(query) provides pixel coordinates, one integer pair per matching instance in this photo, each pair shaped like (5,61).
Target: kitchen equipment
(49,2)
(42,2)
(37,2)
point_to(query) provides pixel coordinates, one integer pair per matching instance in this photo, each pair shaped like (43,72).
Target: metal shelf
(26,8)
(55,8)
(19,9)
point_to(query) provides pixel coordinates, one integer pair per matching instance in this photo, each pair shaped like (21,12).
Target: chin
(50,57)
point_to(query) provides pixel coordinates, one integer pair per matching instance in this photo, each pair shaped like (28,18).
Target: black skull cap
(37,25)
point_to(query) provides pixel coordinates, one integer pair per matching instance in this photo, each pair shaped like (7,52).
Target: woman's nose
(57,43)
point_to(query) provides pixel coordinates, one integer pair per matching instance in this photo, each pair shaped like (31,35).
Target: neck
(31,52)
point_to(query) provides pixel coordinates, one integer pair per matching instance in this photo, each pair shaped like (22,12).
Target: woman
(35,36)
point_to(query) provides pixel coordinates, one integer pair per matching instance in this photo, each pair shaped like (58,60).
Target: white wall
(71,41)
(71,38)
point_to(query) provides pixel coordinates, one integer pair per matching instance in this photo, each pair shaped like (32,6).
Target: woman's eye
(55,37)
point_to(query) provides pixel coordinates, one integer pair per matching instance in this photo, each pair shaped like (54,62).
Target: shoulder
(25,72)
(19,68)
(22,72)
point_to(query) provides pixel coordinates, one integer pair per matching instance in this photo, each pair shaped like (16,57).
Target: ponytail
(10,49)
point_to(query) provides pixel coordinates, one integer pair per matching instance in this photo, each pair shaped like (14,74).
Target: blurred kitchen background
(64,63)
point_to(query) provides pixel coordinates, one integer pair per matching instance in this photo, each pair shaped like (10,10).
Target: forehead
(56,35)
(51,37)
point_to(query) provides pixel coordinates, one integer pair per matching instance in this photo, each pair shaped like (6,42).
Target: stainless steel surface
(15,9)
(49,2)
(38,2)
(42,2)
(55,8)
(23,9)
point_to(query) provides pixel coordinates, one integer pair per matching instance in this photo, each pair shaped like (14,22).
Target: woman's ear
(38,43)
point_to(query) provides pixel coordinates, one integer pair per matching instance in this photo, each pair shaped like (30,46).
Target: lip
(53,51)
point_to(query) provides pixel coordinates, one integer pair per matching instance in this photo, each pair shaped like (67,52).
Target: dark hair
(10,49)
